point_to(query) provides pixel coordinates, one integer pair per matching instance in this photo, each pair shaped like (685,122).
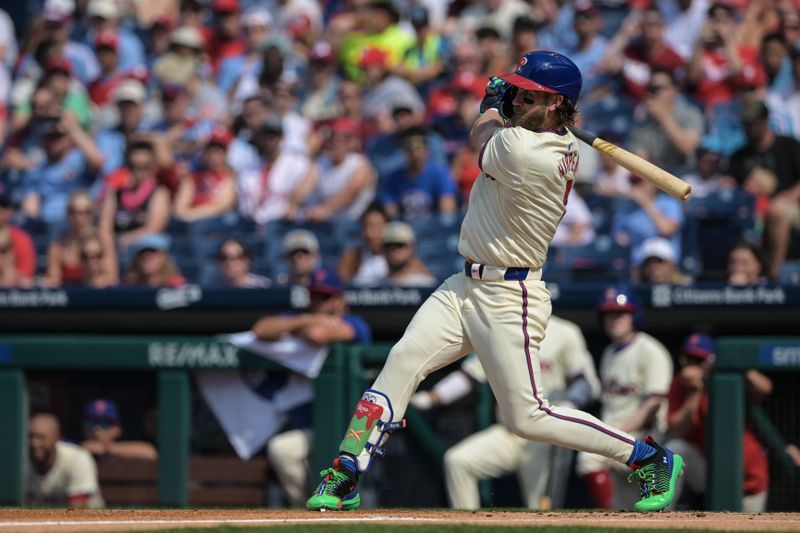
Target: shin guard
(369,428)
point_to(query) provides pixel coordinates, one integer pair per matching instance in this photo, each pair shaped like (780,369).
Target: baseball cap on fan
(700,346)
(655,247)
(325,281)
(101,412)
(548,72)
(300,239)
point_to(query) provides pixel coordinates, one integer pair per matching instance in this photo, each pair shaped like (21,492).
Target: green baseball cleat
(657,479)
(336,492)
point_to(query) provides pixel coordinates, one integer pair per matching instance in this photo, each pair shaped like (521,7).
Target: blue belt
(511,273)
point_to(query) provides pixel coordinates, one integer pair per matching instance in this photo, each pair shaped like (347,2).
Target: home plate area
(61,520)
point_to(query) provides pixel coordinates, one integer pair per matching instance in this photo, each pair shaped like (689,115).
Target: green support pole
(725,432)
(174,413)
(330,417)
(13,413)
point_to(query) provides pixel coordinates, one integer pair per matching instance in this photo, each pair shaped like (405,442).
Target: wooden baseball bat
(670,184)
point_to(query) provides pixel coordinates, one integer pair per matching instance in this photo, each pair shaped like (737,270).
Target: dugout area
(180,479)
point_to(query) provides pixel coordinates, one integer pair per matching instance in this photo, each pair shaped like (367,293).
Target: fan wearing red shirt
(210,191)
(24,251)
(225,40)
(638,48)
(688,415)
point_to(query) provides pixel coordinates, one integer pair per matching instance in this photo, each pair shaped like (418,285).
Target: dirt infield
(62,521)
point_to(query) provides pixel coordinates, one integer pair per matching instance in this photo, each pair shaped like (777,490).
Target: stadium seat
(602,260)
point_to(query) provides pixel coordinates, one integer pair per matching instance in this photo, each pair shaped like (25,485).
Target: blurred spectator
(589,48)
(301,252)
(22,248)
(687,423)
(612,179)
(67,91)
(184,131)
(151,265)
(104,16)
(58,473)
(769,166)
(102,431)
(158,37)
(637,49)
(377,32)
(225,39)
(405,269)
(8,40)
(650,213)
(347,181)
(669,133)
(65,261)
(365,264)
(101,90)
(24,148)
(279,187)
(498,15)
(657,263)
(134,203)
(129,96)
(720,65)
(321,100)
(786,105)
(72,160)
(424,62)
(385,91)
(351,96)
(327,320)
(421,188)
(296,128)
(98,262)
(706,179)
(575,228)
(210,190)
(257,27)
(243,155)
(234,262)
(382,148)
(746,265)
(10,277)
(524,37)
(777,65)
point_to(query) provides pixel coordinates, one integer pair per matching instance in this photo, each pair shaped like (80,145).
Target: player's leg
(490,453)
(506,328)
(533,472)
(287,453)
(433,339)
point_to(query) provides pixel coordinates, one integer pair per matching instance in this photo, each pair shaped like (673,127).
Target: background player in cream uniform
(636,372)
(543,470)
(499,306)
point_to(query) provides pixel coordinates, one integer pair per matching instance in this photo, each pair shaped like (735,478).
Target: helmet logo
(622,300)
(522,63)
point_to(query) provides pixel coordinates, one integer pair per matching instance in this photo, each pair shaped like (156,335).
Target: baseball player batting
(499,307)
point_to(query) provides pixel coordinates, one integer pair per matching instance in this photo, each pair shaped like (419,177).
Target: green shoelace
(653,479)
(335,482)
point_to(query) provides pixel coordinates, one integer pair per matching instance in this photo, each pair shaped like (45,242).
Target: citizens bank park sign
(665,296)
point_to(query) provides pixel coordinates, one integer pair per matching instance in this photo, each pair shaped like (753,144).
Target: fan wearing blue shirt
(421,188)
(326,321)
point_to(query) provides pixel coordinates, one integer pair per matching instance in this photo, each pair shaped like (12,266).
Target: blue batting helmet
(621,298)
(546,71)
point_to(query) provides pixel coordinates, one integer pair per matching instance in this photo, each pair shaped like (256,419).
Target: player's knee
(404,361)
(282,448)
(454,459)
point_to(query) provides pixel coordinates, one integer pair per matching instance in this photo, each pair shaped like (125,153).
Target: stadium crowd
(161,143)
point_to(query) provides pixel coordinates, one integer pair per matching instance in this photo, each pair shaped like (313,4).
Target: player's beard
(533,119)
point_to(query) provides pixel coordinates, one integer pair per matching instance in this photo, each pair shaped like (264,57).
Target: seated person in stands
(99,271)
(301,253)
(656,263)
(707,178)
(365,264)
(746,265)
(575,228)
(102,430)
(326,321)
(71,161)
(210,190)
(421,188)
(58,473)
(135,203)
(688,416)
(10,276)
(233,258)
(65,265)
(21,242)
(650,213)
(151,265)
(346,182)
(405,268)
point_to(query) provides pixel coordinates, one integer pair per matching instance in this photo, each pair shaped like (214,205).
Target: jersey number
(568,190)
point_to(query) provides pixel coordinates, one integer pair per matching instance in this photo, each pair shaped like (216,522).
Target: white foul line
(209,521)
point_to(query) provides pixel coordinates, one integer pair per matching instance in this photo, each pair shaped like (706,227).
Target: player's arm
(326,329)
(271,328)
(643,416)
(447,390)
(484,127)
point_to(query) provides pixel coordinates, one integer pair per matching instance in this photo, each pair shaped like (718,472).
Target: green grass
(427,528)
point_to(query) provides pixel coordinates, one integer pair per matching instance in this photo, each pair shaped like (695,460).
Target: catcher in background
(498,307)
(542,469)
